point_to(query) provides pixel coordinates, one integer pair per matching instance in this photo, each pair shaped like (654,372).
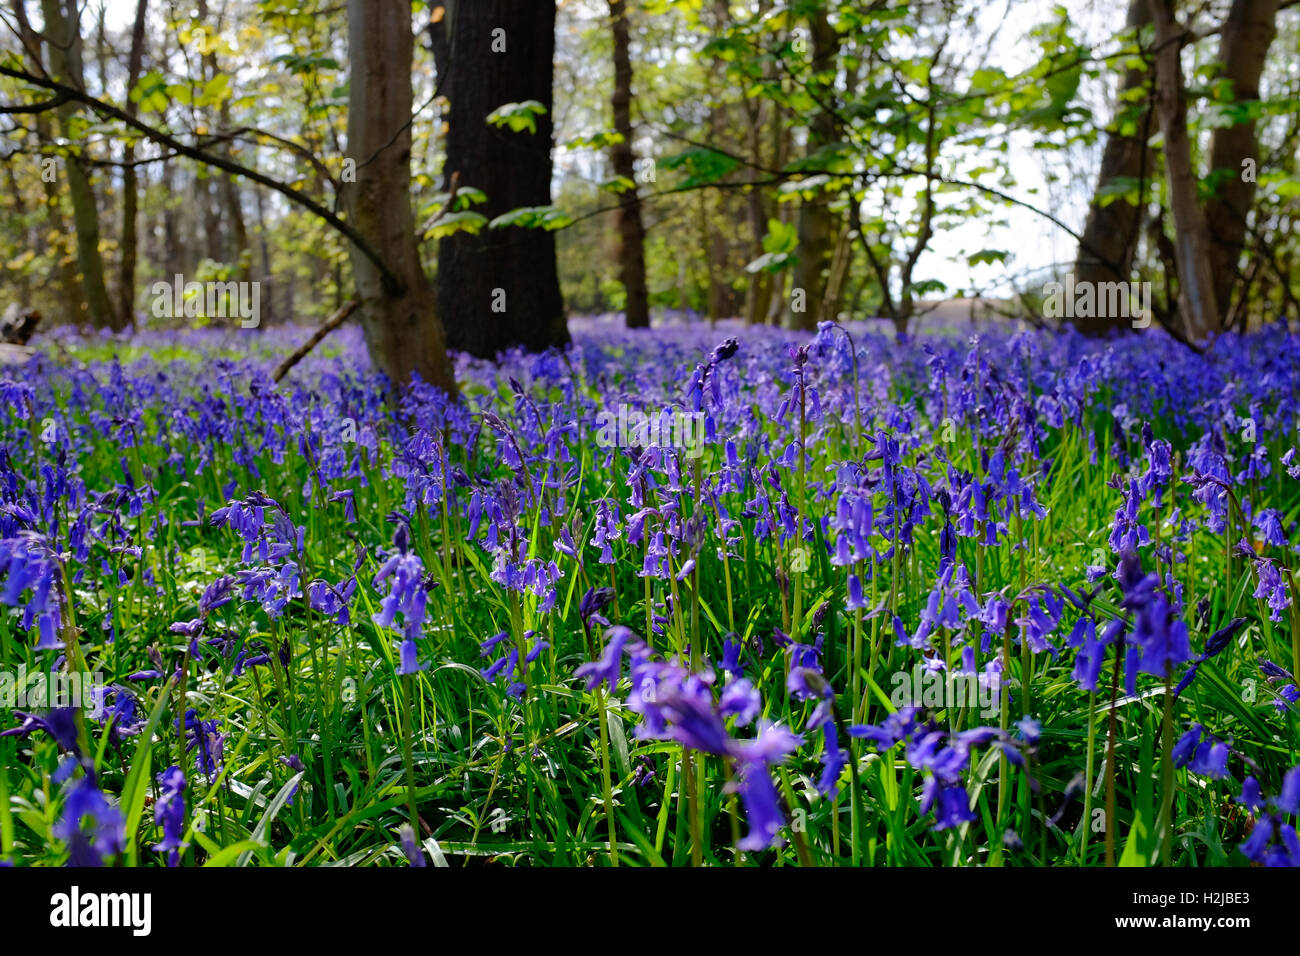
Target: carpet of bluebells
(339,625)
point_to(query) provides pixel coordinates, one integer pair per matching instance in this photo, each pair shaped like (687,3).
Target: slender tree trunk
(207,204)
(631,230)
(1244,42)
(782,146)
(712,299)
(816,221)
(175,258)
(227,206)
(836,276)
(130,196)
(64,46)
(23,280)
(1110,234)
(500,288)
(759,295)
(268,284)
(1200,313)
(71,302)
(401,326)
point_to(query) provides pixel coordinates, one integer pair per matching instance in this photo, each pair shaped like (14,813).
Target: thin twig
(332,323)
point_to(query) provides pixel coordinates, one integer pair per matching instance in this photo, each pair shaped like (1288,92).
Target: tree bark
(1111,231)
(1244,42)
(631,230)
(402,331)
(63,41)
(130,195)
(269,288)
(230,207)
(72,306)
(499,289)
(1200,313)
(758,296)
(817,231)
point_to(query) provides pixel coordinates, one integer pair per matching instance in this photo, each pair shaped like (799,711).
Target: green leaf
(619,184)
(1127,188)
(454,222)
(225,855)
(532,217)
(214,91)
(987,257)
(1137,835)
(595,141)
(518,117)
(467,196)
(272,811)
(702,166)
(781,236)
(136,785)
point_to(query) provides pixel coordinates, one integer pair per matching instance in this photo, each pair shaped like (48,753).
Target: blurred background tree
(782,162)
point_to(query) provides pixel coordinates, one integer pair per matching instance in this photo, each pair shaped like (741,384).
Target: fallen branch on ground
(332,323)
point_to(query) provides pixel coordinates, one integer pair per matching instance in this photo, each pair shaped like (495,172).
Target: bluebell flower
(169,813)
(206,741)
(731,657)
(1272,587)
(950,803)
(60,723)
(408,596)
(593,602)
(107,834)
(1209,758)
(740,700)
(609,669)
(1252,798)
(1288,798)
(1215,645)
(754,782)
(410,848)
(31,566)
(834,759)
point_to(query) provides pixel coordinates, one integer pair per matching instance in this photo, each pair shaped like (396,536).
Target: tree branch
(332,323)
(230,166)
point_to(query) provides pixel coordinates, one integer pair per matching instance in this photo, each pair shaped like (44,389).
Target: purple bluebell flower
(410,848)
(1272,587)
(408,596)
(1214,645)
(207,743)
(740,700)
(169,813)
(107,835)
(609,669)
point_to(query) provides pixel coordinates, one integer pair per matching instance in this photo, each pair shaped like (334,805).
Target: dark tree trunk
(403,334)
(174,254)
(631,231)
(234,249)
(268,285)
(130,197)
(1111,232)
(817,228)
(1244,43)
(782,148)
(63,42)
(500,288)
(758,296)
(72,304)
